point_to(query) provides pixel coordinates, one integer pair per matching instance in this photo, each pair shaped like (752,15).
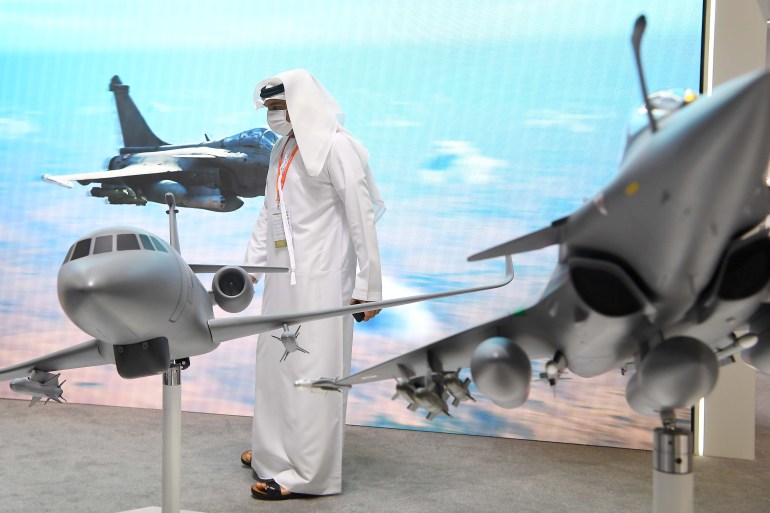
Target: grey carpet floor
(79,458)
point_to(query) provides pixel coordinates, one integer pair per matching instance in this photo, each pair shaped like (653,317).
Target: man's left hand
(367,315)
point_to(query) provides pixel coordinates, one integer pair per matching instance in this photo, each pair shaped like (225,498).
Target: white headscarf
(316,117)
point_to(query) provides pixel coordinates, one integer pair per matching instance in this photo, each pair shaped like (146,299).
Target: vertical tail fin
(132,124)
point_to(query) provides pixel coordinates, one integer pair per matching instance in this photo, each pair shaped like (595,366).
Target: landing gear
(672,476)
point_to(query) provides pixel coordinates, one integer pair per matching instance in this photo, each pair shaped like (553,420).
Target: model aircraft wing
(532,241)
(145,168)
(212,268)
(452,352)
(237,327)
(86,354)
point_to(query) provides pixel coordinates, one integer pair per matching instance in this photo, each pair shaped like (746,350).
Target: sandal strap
(272,488)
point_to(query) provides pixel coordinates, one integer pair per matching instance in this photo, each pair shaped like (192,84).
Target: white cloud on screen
(459,162)
(11,128)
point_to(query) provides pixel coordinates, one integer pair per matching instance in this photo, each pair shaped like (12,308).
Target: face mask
(276,120)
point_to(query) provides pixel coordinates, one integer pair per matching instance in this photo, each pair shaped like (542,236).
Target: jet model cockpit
(664,103)
(260,138)
(109,242)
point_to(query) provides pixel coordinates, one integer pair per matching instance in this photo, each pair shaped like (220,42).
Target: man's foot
(269,490)
(246,458)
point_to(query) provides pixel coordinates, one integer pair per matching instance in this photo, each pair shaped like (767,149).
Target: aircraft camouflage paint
(145,308)
(667,270)
(208,175)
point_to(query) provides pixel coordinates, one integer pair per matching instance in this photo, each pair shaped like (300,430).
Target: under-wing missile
(458,389)
(320,385)
(405,390)
(428,398)
(39,384)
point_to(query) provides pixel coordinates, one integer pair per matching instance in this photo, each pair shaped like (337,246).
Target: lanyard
(281,176)
(282,205)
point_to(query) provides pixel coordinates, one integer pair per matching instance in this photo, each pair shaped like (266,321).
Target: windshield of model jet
(113,242)
(254,138)
(664,103)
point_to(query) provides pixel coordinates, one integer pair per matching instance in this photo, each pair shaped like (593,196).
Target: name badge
(279,235)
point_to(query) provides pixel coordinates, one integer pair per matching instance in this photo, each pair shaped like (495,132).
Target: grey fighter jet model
(211,175)
(146,309)
(666,271)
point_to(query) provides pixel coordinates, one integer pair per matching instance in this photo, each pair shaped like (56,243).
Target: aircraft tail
(132,124)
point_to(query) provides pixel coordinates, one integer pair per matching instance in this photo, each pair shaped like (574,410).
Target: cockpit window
(103,244)
(158,245)
(81,249)
(268,140)
(663,103)
(255,138)
(127,241)
(69,254)
(146,243)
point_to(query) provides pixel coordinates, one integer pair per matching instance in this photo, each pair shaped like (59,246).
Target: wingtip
(53,179)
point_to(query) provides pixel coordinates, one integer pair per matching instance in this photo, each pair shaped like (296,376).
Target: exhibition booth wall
(483,124)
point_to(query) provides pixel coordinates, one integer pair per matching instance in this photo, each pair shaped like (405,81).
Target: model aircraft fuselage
(645,251)
(125,286)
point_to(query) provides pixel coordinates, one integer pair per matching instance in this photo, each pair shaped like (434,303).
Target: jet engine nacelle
(233,289)
(674,374)
(502,371)
(758,356)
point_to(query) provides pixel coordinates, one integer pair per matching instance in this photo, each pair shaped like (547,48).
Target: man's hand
(367,315)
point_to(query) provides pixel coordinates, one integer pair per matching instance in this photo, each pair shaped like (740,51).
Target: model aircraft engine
(674,374)
(232,288)
(502,371)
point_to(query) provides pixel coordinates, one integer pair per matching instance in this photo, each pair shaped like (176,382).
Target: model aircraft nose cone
(117,295)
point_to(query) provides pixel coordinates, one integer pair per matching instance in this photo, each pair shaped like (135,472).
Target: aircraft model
(145,308)
(210,175)
(666,271)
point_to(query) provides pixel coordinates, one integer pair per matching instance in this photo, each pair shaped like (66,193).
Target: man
(321,204)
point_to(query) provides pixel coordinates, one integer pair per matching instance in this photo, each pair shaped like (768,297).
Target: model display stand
(172,441)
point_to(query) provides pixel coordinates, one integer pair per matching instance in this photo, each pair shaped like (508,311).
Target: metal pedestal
(672,477)
(172,437)
(172,442)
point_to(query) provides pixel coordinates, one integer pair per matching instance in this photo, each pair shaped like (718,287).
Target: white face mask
(276,120)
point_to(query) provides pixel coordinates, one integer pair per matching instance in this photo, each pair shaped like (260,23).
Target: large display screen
(484,120)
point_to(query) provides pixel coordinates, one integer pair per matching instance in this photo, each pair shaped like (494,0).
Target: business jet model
(664,273)
(210,175)
(146,309)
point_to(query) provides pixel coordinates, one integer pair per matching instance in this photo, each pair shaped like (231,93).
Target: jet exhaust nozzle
(233,289)
(674,374)
(502,371)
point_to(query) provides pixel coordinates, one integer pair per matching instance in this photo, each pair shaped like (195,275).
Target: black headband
(267,92)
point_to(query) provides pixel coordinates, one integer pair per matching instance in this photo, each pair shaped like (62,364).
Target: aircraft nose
(113,297)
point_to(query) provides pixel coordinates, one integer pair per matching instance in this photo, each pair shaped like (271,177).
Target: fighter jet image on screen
(145,308)
(665,273)
(211,175)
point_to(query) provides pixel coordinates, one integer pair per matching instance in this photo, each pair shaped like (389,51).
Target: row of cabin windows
(104,244)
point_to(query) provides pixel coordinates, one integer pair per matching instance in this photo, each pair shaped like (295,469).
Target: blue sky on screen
(484,120)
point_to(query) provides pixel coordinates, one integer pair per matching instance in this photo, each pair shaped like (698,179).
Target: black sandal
(272,492)
(247,464)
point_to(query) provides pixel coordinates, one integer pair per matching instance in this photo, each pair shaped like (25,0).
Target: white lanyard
(280,180)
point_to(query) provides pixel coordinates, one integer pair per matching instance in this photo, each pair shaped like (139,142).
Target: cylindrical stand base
(672,493)
(172,438)
(673,483)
